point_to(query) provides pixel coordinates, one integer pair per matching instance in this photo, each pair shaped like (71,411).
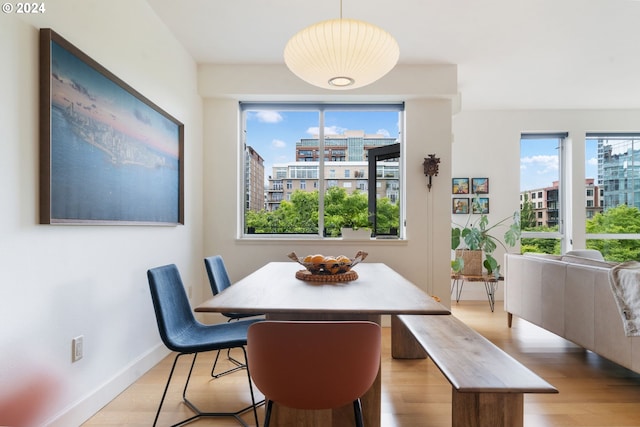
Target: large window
(541,210)
(612,185)
(315,169)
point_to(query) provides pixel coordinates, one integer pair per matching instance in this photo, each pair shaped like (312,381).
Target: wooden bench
(488,384)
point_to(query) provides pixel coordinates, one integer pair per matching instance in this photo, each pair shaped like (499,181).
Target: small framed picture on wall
(460,205)
(480,185)
(482,207)
(460,186)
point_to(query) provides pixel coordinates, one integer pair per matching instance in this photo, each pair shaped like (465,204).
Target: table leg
(403,343)
(458,284)
(490,287)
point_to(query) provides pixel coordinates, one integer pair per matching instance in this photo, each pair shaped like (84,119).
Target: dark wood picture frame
(108,155)
(460,185)
(460,205)
(480,185)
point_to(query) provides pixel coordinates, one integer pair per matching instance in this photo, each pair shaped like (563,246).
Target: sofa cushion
(587,253)
(587,261)
(541,255)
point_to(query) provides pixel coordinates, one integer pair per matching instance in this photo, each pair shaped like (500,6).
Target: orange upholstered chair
(314,365)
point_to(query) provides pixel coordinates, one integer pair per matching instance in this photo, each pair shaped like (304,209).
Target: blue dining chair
(219,281)
(183,334)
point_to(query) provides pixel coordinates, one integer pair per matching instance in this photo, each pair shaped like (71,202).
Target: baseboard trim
(80,411)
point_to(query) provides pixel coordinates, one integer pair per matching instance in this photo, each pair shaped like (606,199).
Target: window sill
(254,239)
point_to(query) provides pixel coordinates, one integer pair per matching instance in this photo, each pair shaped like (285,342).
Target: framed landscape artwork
(460,186)
(460,205)
(480,185)
(108,155)
(482,207)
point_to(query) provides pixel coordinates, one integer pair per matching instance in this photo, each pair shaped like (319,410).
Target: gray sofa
(571,297)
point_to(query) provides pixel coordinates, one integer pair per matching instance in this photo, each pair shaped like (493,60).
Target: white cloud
(541,164)
(278,143)
(266,116)
(593,161)
(330,130)
(384,132)
(538,171)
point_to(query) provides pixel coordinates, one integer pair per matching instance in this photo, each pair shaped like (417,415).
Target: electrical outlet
(77,348)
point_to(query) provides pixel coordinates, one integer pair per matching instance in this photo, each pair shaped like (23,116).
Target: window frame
(319,182)
(563,188)
(601,186)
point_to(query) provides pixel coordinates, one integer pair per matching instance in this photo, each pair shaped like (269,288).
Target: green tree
(387,216)
(527,214)
(300,213)
(345,210)
(540,245)
(621,219)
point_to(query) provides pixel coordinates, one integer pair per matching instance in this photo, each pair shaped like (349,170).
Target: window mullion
(321,173)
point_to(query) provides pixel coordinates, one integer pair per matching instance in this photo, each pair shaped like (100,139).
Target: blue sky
(539,163)
(273,134)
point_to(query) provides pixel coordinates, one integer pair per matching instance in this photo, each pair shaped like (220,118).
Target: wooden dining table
(378,290)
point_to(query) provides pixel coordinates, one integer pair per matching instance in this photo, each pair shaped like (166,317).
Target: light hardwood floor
(593,391)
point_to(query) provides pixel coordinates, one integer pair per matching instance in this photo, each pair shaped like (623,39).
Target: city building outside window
(612,163)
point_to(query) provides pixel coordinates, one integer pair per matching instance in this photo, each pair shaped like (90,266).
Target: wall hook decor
(430,165)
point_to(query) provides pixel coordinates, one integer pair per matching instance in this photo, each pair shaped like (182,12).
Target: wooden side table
(490,283)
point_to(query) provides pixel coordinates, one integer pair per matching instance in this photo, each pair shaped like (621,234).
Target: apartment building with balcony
(546,202)
(352,176)
(345,165)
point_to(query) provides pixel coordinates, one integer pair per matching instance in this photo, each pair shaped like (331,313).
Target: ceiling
(514,54)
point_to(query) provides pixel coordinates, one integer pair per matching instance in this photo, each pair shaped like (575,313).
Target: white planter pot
(359,234)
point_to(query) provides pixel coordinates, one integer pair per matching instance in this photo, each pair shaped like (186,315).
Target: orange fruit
(332,268)
(343,259)
(307,258)
(317,259)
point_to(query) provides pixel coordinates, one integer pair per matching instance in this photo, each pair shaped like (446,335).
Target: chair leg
(166,388)
(357,409)
(199,413)
(239,365)
(253,399)
(267,413)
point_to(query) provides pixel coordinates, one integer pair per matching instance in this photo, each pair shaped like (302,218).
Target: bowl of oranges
(319,264)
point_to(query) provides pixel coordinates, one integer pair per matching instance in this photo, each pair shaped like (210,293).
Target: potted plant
(477,235)
(347,213)
(356,226)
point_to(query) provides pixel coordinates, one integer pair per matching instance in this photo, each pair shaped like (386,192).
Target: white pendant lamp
(341,53)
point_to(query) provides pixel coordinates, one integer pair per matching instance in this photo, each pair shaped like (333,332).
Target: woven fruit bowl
(328,265)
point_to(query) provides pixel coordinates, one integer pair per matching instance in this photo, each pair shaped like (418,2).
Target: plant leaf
(457,265)
(455,238)
(490,263)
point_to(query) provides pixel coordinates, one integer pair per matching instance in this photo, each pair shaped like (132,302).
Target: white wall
(487,144)
(59,282)
(423,258)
